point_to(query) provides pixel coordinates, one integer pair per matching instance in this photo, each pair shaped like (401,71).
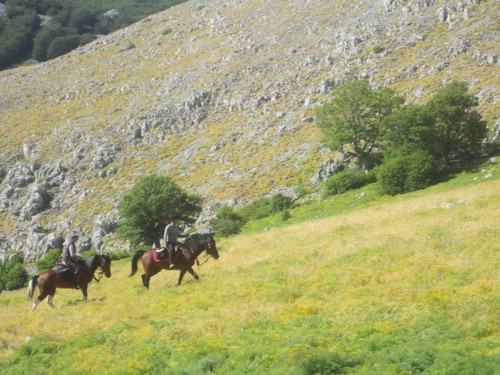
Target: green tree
(151,203)
(410,126)
(227,222)
(83,20)
(44,37)
(352,118)
(16,40)
(62,45)
(458,128)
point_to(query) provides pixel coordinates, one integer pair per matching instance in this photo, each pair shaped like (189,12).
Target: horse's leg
(35,304)
(181,275)
(149,271)
(194,274)
(40,298)
(49,300)
(145,280)
(83,288)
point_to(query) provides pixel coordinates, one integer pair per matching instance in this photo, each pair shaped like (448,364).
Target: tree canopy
(417,142)
(353,115)
(150,205)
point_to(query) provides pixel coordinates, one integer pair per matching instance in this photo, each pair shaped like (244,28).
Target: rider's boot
(75,280)
(170,262)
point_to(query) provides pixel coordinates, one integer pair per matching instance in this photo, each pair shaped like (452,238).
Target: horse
(50,280)
(185,259)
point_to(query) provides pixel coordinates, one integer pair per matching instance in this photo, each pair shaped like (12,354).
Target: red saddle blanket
(160,255)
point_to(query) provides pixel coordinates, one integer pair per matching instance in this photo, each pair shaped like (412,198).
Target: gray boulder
(37,201)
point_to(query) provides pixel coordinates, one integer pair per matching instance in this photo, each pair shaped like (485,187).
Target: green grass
(309,209)
(370,285)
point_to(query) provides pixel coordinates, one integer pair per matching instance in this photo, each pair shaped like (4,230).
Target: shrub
(227,222)
(329,363)
(257,209)
(280,203)
(405,171)
(347,180)
(13,275)
(265,207)
(285,215)
(116,255)
(50,258)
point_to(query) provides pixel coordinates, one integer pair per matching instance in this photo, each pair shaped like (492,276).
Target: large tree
(446,126)
(459,129)
(352,118)
(151,203)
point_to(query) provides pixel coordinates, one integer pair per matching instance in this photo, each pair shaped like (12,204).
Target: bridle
(101,272)
(206,254)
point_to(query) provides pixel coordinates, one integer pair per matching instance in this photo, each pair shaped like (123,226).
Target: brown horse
(50,280)
(184,262)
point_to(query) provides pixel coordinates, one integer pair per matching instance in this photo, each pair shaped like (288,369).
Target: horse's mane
(199,237)
(90,261)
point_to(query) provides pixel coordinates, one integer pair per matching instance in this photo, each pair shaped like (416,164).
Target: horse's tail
(31,287)
(138,255)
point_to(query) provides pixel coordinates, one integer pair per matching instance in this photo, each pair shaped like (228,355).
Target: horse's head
(106,265)
(212,247)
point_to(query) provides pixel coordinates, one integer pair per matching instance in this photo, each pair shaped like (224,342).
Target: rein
(100,275)
(207,257)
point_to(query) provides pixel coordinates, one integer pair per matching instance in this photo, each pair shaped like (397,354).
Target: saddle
(63,272)
(160,255)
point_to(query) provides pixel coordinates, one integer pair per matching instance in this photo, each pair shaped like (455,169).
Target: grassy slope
(392,285)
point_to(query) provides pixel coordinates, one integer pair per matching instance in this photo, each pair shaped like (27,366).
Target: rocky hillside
(220,95)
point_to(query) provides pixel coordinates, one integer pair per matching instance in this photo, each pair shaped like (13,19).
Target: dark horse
(184,262)
(50,280)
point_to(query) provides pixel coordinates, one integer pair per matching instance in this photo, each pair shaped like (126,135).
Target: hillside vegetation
(218,95)
(359,284)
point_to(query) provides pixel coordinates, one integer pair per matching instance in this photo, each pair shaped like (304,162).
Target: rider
(69,251)
(172,232)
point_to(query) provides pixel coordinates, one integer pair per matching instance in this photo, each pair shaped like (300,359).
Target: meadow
(355,284)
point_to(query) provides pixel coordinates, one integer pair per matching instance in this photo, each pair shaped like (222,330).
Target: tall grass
(401,285)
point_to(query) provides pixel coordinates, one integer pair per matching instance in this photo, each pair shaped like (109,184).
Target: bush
(227,222)
(13,275)
(49,260)
(265,207)
(256,210)
(116,255)
(406,171)
(329,363)
(347,180)
(280,203)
